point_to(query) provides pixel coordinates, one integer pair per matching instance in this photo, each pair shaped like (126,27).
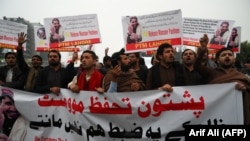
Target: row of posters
(140,33)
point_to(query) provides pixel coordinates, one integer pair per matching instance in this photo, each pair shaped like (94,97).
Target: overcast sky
(109,13)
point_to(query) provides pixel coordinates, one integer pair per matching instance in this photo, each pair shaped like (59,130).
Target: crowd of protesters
(123,72)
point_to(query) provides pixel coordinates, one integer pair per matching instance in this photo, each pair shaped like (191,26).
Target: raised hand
(204,41)
(90,47)
(74,56)
(21,38)
(106,51)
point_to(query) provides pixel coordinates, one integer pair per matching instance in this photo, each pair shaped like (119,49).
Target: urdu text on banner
(145,115)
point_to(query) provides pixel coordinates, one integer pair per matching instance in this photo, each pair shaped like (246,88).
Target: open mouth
(227,60)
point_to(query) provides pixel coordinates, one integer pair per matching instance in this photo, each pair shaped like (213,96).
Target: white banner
(72,30)
(9,34)
(152,30)
(142,116)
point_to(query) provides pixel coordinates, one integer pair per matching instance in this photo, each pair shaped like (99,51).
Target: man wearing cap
(14,125)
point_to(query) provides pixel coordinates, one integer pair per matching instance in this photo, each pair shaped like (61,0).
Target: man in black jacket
(11,75)
(54,76)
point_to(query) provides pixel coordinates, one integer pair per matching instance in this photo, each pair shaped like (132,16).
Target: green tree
(244,51)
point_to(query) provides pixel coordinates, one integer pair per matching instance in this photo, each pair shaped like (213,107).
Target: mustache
(10,112)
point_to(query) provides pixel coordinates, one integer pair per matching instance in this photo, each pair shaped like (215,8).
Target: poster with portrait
(40,38)
(147,32)
(42,44)
(218,31)
(9,34)
(72,30)
(235,39)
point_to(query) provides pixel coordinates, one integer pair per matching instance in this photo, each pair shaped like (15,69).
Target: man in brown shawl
(127,80)
(225,73)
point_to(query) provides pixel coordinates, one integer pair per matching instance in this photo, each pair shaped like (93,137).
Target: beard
(125,68)
(132,64)
(8,124)
(189,63)
(54,63)
(11,115)
(226,66)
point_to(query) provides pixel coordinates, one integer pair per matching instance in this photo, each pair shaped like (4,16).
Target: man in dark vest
(167,72)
